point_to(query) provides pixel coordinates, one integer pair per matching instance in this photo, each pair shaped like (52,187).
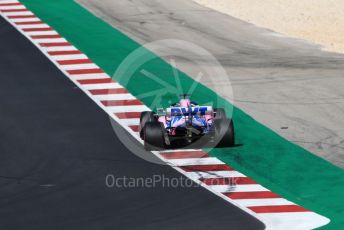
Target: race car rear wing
(185,111)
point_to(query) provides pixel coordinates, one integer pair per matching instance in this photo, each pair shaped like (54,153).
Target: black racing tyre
(220,113)
(146,116)
(224,132)
(153,136)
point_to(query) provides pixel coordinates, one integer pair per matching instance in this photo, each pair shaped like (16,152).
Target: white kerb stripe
(128,108)
(133,121)
(8,1)
(195,161)
(33,26)
(18,7)
(17,13)
(215,174)
(293,220)
(25,19)
(263,202)
(79,66)
(178,150)
(49,40)
(113,85)
(120,96)
(50,32)
(59,48)
(89,76)
(69,57)
(238,188)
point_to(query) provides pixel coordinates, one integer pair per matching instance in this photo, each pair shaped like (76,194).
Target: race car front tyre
(220,113)
(146,116)
(224,132)
(153,135)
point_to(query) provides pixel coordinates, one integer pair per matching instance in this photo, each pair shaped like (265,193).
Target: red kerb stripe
(192,168)
(228,181)
(85,71)
(21,16)
(96,81)
(251,195)
(75,61)
(52,44)
(45,36)
(66,52)
(13,10)
(108,91)
(29,23)
(184,154)
(37,29)
(278,208)
(135,128)
(10,4)
(121,102)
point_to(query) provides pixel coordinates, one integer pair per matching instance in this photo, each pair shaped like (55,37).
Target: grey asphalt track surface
(280,81)
(57,147)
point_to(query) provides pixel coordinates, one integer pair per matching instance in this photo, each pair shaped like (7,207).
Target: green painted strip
(274,162)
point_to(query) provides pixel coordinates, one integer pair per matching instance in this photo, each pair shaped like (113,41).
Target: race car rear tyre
(146,116)
(220,113)
(153,135)
(224,132)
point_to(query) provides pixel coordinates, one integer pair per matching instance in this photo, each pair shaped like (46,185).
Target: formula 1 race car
(186,122)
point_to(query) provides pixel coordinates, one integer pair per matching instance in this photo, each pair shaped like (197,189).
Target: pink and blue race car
(184,123)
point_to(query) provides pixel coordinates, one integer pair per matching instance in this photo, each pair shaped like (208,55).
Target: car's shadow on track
(234,146)
(198,145)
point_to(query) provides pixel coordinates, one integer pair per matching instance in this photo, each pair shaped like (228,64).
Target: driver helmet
(185,102)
